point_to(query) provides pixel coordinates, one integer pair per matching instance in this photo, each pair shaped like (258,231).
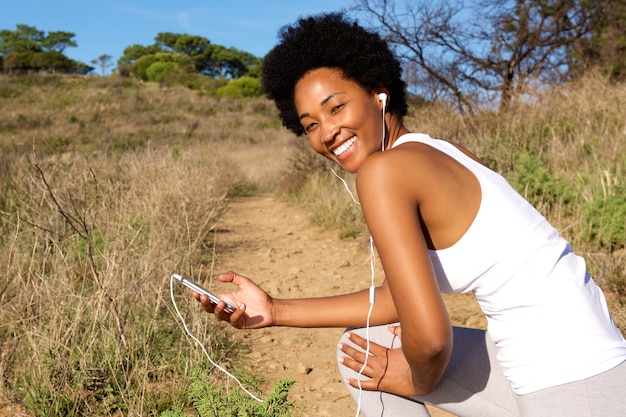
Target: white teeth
(340,150)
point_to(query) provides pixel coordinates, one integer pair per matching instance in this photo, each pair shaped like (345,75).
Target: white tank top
(546,315)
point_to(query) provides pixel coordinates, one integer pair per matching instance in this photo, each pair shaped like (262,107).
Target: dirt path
(274,243)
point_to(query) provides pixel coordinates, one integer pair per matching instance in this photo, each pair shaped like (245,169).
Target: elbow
(424,387)
(429,365)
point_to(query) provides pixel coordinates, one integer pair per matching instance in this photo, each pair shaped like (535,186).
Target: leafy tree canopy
(208,59)
(58,41)
(29,39)
(28,49)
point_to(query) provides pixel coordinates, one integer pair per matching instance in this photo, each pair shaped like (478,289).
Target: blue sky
(109,26)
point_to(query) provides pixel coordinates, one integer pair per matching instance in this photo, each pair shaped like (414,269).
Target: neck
(395,129)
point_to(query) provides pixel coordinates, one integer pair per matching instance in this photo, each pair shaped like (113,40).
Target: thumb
(234,278)
(396,330)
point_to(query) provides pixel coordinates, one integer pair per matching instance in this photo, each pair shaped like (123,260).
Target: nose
(329,133)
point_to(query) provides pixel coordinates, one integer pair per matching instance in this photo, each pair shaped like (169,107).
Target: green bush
(51,61)
(605,219)
(167,66)
(140,67)
(541,188)
(160,71)
(209,401)
(242,87)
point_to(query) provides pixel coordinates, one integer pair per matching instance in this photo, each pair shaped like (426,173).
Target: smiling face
(342,120)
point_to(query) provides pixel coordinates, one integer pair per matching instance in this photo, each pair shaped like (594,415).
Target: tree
(134,52)
(141,67)
(29,49)
(489,52)
(232,63)
(197,48)
(50,61)
(58,41)
(18,62)
(606,49)
(181,43)
(208,59)
(103,61)
(23,39)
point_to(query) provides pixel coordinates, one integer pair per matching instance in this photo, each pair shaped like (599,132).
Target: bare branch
(471,55)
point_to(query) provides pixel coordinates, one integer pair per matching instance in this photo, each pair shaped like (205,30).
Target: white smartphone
(197,288)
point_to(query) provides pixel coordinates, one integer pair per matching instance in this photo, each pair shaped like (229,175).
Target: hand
(388,368)
(254,306)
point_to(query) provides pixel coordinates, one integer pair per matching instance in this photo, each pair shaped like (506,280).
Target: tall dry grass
(107,189)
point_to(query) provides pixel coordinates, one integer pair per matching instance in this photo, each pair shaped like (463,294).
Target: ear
(383,97)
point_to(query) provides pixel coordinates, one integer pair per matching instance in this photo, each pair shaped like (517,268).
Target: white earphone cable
(195,339)
(372,290)
(372,297)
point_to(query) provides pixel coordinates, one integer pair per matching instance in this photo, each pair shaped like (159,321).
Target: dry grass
(129,179)
(122,188)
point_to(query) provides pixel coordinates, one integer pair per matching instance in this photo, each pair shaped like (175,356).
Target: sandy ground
(274,243)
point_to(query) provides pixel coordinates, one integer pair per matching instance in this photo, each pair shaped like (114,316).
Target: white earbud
(383,98)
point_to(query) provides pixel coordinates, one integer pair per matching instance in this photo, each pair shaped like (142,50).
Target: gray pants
(474,386)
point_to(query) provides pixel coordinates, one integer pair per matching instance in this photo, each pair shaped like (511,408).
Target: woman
(441,222)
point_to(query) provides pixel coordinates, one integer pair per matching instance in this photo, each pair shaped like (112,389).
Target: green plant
(211,401)
(241,88)
(140,67)
(533,181)
(605,218)
(160,71)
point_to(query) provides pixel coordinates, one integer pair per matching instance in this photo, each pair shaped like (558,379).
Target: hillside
(108,186)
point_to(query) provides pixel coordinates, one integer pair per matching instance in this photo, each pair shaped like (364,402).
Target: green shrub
(160,71)
(605,220)
(140,67)
(210,401)
(163,67)
(541,188)
(242,87)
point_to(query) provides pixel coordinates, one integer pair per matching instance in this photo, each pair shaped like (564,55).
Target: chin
(351,168)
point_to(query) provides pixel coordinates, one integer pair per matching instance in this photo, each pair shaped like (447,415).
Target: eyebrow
(323,102)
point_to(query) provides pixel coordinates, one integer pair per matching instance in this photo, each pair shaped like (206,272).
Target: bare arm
(392,203)
(347,310)
(256,308)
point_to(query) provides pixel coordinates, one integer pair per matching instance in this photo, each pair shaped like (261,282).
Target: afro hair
(330,41)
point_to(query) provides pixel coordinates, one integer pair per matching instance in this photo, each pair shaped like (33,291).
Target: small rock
(304,369)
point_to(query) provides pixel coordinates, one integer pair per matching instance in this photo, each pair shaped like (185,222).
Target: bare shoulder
(413,168)
(417,178)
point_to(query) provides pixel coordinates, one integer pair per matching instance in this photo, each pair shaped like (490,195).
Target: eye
(309,127)
(337,108)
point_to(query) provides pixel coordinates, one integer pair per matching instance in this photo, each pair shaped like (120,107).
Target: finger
(227,276)
(206,303)
(366,384)
(352,352)
(234,278)
(237,319)
(220,311)
(374,348)
(396,330)
(356,366)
